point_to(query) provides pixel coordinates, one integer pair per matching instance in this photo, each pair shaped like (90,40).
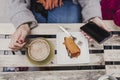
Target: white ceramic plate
(62,54)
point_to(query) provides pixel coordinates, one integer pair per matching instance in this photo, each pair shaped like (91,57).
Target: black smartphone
(97,33)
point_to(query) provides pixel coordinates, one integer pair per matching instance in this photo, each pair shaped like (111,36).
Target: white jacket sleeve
(90,9)
(20,13)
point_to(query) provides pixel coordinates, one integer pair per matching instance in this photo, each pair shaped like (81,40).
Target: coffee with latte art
(39,50)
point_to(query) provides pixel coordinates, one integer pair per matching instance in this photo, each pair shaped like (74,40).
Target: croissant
(71,46)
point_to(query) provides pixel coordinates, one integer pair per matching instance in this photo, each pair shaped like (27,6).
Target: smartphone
(97,33)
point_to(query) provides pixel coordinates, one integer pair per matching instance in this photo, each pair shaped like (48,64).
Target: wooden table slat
(4,43)
(22,60)
(8,28)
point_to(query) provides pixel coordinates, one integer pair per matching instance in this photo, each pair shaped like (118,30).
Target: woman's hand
(18,38)
(100,23)
(50,4)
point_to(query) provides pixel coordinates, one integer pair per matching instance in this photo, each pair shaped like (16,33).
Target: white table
(104,58)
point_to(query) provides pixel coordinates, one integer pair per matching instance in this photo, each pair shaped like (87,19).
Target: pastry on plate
(72,47)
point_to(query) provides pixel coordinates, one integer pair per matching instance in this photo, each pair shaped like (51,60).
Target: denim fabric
(68,13)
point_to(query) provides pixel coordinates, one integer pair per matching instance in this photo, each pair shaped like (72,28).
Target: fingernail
(21,41)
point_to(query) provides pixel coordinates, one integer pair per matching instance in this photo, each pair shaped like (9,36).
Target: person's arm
(23,19)
(20,13)
(18,38)
(90,9)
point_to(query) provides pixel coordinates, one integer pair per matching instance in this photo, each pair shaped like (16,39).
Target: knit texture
(111,10)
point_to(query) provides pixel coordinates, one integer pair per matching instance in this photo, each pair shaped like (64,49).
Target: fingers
(60,3)
(50,4)
(18,38)
(54,4)
(41,1)
(22,33)
(47,4)
(87,36)
(99,22)
(104,26)
(22,37)
(16,46)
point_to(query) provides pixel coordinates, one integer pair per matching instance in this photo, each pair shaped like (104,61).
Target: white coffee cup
(38,49)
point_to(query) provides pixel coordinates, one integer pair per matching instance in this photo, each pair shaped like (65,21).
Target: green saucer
(48,59)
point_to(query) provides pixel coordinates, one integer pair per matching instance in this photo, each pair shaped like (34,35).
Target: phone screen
(97,33)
